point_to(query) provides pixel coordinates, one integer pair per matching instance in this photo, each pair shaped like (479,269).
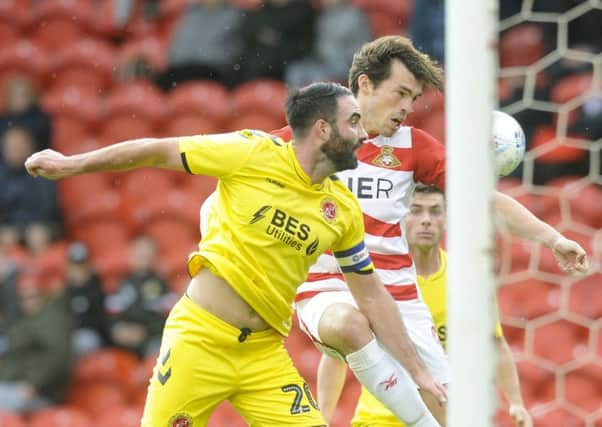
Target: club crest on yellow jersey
(386,158)
(329,210)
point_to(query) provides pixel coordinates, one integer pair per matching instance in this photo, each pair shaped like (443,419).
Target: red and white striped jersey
(387,171)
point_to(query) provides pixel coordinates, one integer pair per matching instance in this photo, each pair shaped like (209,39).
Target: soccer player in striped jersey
(277,208)
(425,226)
(387,76)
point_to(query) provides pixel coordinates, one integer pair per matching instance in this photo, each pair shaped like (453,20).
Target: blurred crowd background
(90,266)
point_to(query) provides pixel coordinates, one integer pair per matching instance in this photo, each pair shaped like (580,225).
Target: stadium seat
(521,45)
(97,398)
(52,261)
(127,126)
(12,419)
(515,336)
(259,121)
(109,365)
(137,98)
(89,208)
(430,102)
(537,383)
(583,387)
(585,297)
(58,23)
(584,201)
(60,416)
(529,299)
(74,102)
(9,35)
(203,97)
(571,87)
(246,4)
(548,148)
(557,417)
(192,124)
(226,416)
(173,235)
(113,265)
(16,12)
(401,10)
(69,134)
(102,235)
(73,189)
(150,48)
(141,204)
(200,187)
(24,57)
(434,124)
(561,341)
(383,24)
(261,96)
(87,64)
(121,416)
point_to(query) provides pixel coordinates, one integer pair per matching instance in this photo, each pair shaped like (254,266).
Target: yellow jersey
(269,223)
(369,411)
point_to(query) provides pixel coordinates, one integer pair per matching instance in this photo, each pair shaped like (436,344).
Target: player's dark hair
(427,189)
(313,102)
(374,60)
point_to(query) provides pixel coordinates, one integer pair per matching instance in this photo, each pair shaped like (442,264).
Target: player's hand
(48,164)
(570,256)
(426,382)
(520,416)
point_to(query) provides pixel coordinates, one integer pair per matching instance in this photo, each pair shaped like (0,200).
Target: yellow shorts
(202,362)
(371,413)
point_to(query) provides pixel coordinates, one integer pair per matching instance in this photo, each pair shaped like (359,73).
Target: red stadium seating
(529,299)
(557,417)
(515,336)
(571,87)
(137,98)
(521,45)
(16,12)
(434,124)
(173,235)
(192,124)
(120,416)
(384,24)
(24,57)
(259,121)
(583,387)
(102,235)
(8,34)
(58,23)
(97,398)
(225,416)
(261,96)
(561,341)
(586,297)
(60,416)
(537,383)
(202,97)
(74,102)
(150,48)
(87,64)
(109,365)
(141,204)
(552,149)
(12,419)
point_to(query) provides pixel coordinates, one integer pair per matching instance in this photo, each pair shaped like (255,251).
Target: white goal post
(470,69)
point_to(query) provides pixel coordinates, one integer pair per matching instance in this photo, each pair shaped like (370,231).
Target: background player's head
(387,75)
(425,222)
(327,114)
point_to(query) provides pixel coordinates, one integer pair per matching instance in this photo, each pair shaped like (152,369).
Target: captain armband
(355,260)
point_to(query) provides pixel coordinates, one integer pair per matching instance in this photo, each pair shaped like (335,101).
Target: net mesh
(550,80)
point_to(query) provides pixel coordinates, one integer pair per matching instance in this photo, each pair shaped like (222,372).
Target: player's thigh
(188,382)
(273,393)
(311,310)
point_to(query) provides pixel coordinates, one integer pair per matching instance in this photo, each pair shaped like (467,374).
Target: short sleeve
(429,155)
(216,155)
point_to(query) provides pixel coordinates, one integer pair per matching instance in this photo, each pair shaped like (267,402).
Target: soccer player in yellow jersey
(277,208)
(425,225)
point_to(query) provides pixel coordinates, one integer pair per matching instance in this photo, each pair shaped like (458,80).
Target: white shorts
(415,315)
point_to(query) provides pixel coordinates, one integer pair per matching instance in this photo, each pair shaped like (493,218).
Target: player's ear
(364,83)
(324,129)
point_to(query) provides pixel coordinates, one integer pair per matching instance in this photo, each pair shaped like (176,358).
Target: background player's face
(346,136)
(425,223)
(385,107)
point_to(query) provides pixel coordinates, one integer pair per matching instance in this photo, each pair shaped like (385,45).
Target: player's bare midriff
(214,295)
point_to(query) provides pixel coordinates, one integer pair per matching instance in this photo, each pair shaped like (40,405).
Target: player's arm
(507,378)
(331,378)
(132,154)
(379,308)
(569,255)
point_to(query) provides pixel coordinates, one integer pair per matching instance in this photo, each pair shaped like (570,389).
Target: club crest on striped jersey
(180,420)
(329,210)
(386,158)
